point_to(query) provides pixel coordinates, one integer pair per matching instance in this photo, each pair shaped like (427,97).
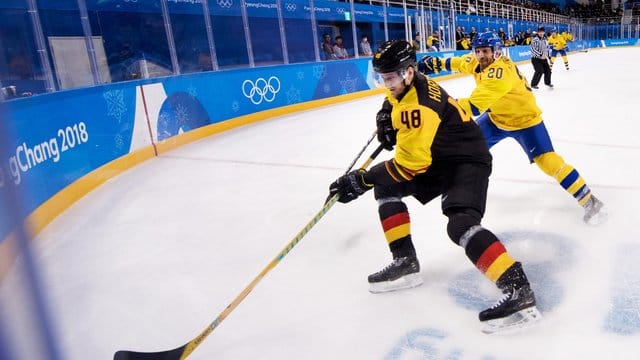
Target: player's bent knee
(550,163)
(460,223)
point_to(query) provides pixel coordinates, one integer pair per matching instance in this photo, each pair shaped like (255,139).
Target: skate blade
(514,322)
(404,282)
(599,217)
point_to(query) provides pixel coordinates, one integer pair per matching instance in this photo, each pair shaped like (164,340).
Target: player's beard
(398,90)
(485,62)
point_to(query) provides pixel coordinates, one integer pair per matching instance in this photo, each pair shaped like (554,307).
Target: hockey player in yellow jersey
(506,107)
(558,45)
(568,37)
(439,151)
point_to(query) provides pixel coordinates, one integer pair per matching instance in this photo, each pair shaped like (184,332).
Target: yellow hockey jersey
(568,37)
(502,91)
(432,129)
(558,42)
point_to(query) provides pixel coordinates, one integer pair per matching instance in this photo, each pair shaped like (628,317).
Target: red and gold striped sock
(396,225)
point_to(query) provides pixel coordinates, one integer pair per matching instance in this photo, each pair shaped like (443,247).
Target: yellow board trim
(50,209)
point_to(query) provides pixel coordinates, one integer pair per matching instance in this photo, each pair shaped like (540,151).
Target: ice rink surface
(149,259)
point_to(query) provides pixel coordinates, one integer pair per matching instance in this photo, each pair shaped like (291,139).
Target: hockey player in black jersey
(439,151)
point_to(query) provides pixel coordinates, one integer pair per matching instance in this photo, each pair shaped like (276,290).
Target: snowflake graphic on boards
(319,72)
(181,115)
(348,84)
(116,106)
(293,95)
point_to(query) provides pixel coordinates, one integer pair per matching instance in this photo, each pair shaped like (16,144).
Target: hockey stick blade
(174,354)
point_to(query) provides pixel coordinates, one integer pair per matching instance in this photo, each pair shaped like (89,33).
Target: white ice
(149,259)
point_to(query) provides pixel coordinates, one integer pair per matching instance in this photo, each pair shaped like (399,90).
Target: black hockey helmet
(393,55)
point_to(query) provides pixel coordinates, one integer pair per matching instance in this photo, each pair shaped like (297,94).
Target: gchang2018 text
(28,156)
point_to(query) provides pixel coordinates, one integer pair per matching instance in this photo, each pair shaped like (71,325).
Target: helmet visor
(389,80)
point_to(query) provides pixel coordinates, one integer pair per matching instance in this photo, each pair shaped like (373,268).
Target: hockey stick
(361,151)
(185,350)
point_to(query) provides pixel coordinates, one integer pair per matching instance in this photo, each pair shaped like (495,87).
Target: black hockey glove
(386,132)
(349,186)
(430,65)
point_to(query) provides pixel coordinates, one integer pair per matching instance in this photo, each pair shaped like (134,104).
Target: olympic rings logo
(340,10)
(290,7)
(261,90)
(225,3)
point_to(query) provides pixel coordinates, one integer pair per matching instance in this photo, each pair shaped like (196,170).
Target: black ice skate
(517,307)
(594,211)
(402,273)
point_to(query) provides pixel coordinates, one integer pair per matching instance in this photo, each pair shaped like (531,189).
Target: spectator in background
(527,37)
(471,10)
(433,42)
(502,35)
(327,48)
(459,37)
(416,42)
(466,42)
(365,47)
(204,62)
(472,33)
(338,49)
(519,38)
(19,67)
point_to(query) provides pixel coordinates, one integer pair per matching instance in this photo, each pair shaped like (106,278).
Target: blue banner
(63,136)
(229,94)
(620,42)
